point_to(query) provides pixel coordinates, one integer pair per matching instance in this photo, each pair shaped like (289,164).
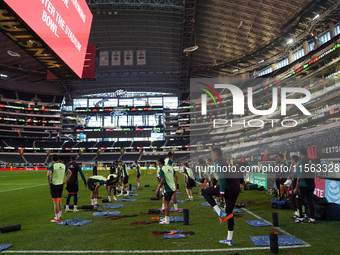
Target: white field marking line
(156,251)
(22,188)
(278,228)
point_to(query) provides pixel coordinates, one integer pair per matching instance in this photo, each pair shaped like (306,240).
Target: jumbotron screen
(64,25)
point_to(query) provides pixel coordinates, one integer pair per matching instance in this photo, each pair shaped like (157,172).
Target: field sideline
(25,200)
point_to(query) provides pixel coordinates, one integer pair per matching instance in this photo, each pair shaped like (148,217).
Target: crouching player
(55,178)
(228,191)
(168,180)
(111,182)
(93,183)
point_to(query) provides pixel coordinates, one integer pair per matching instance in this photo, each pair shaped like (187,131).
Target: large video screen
(64,25)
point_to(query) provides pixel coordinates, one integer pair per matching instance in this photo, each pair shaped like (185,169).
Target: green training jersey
(168,162)
(167,172)
(115,177)
(158,169)
(58,173)
(138,168)
(189,172)
(98,179)
(123,168)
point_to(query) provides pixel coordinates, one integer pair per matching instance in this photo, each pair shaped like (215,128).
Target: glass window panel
(155,101)
(122,121)
(92,102)
(138,121)
(79,102)
(112,102)
(140,102)
(126,102)
(170,102)
(95,121)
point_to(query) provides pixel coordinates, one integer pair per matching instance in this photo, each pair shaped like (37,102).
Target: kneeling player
(93,184)
(168,180)
(111,182)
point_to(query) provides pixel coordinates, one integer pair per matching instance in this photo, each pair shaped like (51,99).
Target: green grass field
(25,200)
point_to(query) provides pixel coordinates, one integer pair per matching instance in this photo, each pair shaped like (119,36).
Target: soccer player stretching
(93,183)
(189,181)
(137,174)
(72,184)
(228,191)
(169,162)
(125,178)
(168,180)
(55,178)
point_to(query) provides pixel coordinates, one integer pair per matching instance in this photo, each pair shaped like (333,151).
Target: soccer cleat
(191,199)
(312,221)
(164,222)
(110,200)
(177,211)
(55,220)
(294,216)
(188,199)
(121,194)
(163,210)
(299,220)
(222,216)
(227,242)
(96,205)
(76,210)
(68,210)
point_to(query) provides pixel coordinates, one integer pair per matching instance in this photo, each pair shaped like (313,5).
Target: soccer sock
(230,235)
(175,206)
(67,207)
(217,210)
(109,197)
(95,201)
(56,216)
(163,206)
(167,218)
(75,208)
(92,201)
(59,214)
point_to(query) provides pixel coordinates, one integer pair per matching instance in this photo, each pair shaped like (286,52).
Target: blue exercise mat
(106,213)
(97,205)
(74,222)
(237,211)
(283,240)
(112,206)
(178,192)
(177,195)
(175,219)
(200,196)
(173,209)
(207,204)
(127,200)
(175,236)
(179,201)
(133,195)
(258,223)
(5,246)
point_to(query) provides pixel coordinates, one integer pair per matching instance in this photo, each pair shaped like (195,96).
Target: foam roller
(10,228)
(185,216)
(87,207)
